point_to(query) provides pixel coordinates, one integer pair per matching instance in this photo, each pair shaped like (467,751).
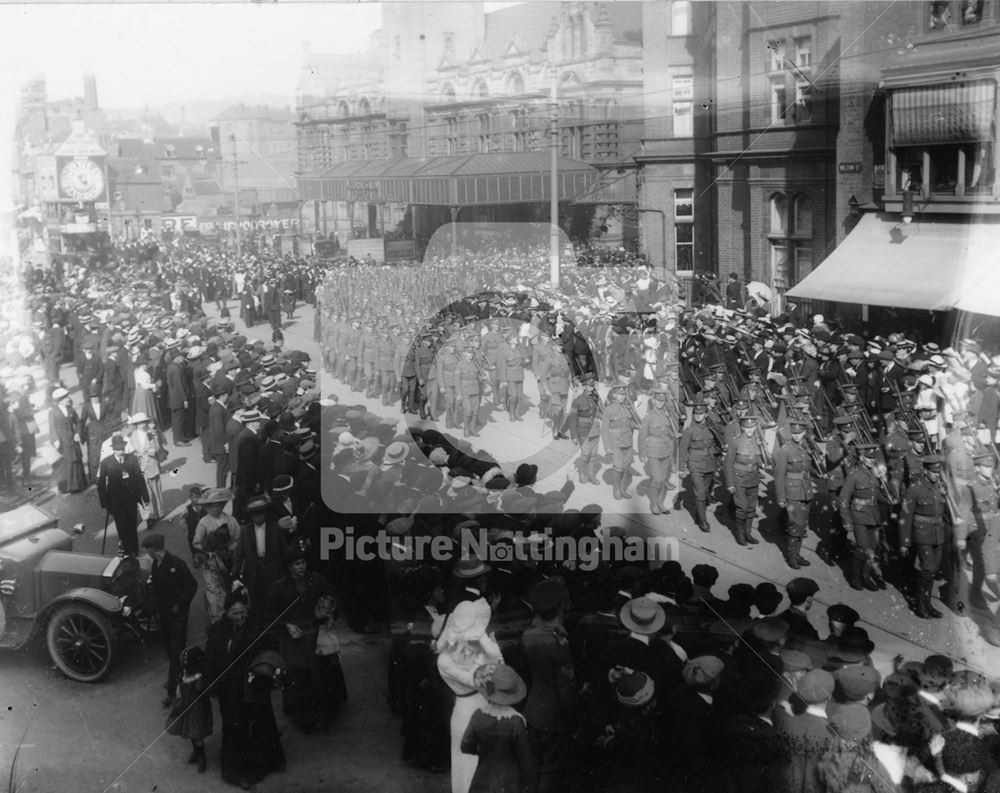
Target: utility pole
(236,179)
(554,183)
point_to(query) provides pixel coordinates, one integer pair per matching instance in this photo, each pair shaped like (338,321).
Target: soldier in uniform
(841,457)
(510,376)
(741,409)
(794,490)
(584,427)
(617,431)
(556,375)
(859,510)
(386,365)
(447,367)
(656,445)
(743,473)
(350,341)
(426,377)
(921,522)
(539,356)
(369,361)
(982,532)
(699,454)
(895,445)
(466,385)
(493,348)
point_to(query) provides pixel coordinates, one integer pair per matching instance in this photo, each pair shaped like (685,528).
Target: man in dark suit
(121,488)
(245,456)
(547,662)
(178,399)
(97,418)
(259,556)
(216,443)
(171,589)
(800,595)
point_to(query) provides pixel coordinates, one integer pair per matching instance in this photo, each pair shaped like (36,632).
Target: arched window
(779,214)
(364,107)
(803,224)
(515,84)
(448,93)
(479,90)
(343,110)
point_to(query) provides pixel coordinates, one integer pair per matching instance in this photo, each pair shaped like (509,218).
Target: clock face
(81,180)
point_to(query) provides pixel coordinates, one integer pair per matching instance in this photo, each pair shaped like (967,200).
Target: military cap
(984,459)
(843,421)
(660,389)
(868,449)
(916,435)
(741,404)
(748,421)
(932,462)
(796,425)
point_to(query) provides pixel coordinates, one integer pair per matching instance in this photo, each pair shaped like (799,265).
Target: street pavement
(110,736)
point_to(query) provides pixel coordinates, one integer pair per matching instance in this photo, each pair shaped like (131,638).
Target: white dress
(457,669)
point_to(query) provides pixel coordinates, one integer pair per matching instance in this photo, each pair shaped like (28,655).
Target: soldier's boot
(654,498)
(592,473)
(803,562)
(626,480)
(473,431)
(825,552)
(748,532)
(700,509)
(854,564)
(661,497)
(792,553)
(927,588)
(616,485)
(740,532)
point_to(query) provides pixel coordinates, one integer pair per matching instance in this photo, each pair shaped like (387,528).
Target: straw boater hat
(138,418)
(216,495)
(642,615)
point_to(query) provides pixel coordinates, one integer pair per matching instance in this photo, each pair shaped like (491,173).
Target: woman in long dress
(146,445)
(64,432)
(144,396)
(463,647)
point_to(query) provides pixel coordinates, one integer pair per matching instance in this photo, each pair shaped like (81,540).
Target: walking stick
(104,538)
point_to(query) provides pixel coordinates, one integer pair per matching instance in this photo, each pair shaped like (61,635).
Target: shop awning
(933,266)
(948,113)
(469,180)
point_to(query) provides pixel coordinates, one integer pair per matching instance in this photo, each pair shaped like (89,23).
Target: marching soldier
(466,385)
(385,352)
(921,521)
(369,361)
(350,341)
(741,409)
(656,445)
(447,368)
(859,510)
(510,376)
(794,490)
(841,457)
(743,474)
(556,375)
(493,348)
(426,377)
(982,533)
(540,353)
(584,427)
(895,445)
(617,430)
(699,454)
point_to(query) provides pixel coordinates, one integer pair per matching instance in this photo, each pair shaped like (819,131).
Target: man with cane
(121,488)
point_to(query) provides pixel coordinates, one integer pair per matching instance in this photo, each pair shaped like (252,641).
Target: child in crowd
(191,715)
(192,514)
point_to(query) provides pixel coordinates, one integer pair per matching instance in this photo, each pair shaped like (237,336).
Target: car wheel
(81,642)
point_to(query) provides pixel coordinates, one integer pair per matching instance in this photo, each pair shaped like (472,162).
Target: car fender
(97,598)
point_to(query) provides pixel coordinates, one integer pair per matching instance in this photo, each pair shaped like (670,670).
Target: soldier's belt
(795,475)
(927,520)
(697,446)
(745,467)
(858,503)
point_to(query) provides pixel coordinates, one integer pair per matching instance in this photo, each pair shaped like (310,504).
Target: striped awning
(943,113)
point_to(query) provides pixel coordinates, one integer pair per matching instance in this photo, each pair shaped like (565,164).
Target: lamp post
(554,182)
(236,180)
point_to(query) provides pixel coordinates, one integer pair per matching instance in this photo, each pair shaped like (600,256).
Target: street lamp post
(236,180)
(554,184)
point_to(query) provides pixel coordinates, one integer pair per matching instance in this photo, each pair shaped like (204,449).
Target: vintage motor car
(82,603)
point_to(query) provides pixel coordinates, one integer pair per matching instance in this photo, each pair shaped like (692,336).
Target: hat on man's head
(840,612)
(258,504)
(282,483)
(816,686)
(702,673)
(795,660)
(851,723)
(801,588)
(858,681)
(117,443)
(59,393)
(643,616)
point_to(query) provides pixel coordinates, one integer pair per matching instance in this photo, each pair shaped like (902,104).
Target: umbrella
(762,292)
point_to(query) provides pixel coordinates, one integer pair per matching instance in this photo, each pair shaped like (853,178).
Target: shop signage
(849,167)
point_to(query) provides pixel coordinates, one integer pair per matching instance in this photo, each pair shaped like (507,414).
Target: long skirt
(155,488)
(70,474)
(144,401)
(251,745)
(463,766)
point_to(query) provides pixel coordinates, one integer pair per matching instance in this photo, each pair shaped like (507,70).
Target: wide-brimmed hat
(501,685)
(216,495)
(258,504)
(470,568)
(642,615)
(469,619)
(395,453)
(138,418)
(59,393)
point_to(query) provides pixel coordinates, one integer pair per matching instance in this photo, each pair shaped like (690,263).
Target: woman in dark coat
(499,736)
(64,430)
(251,746)
(22,422)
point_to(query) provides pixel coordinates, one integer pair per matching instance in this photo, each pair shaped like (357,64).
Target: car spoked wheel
(81,642)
